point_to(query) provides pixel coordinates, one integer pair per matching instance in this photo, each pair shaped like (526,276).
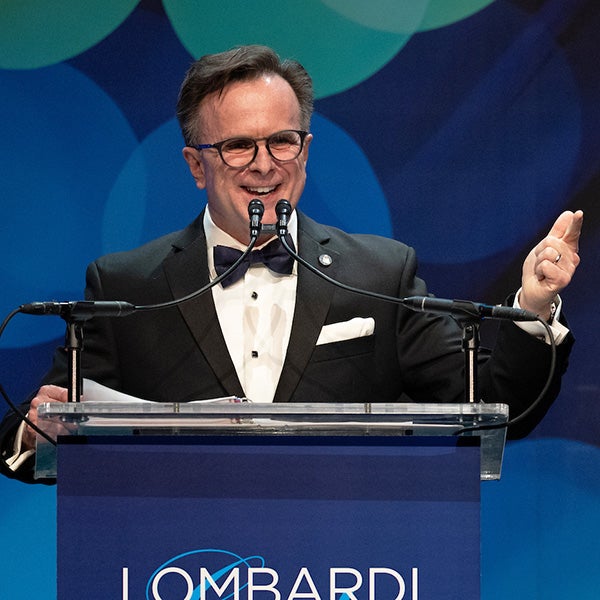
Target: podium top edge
(231,406)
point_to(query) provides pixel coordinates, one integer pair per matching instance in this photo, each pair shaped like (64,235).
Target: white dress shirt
(255,315)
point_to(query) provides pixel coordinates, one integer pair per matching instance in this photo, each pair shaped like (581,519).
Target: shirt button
(254,295)
(254,354)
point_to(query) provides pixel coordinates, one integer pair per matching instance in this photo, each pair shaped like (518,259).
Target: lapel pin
(325,260)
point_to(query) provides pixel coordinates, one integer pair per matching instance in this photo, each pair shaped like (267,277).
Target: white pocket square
(346,330)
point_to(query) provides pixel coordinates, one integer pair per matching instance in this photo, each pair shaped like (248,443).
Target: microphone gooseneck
(461,308)
(83,310)
(256,210)
(77,312)
(464,308)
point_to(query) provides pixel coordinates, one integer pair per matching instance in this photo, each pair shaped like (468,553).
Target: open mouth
(261,190)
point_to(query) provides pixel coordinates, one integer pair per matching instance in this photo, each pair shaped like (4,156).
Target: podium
(270,501)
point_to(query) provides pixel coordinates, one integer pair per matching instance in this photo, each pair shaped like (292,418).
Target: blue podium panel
(268,518)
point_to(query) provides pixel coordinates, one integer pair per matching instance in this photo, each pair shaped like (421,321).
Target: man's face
(252,109)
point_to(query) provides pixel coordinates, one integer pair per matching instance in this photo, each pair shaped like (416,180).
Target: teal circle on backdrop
(64,143)
(153,194)
(36,34)
(337,52)
(406,17)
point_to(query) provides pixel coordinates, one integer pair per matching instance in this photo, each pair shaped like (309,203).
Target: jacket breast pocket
(344,350)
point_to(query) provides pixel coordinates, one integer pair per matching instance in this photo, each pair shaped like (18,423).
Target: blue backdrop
(462,128)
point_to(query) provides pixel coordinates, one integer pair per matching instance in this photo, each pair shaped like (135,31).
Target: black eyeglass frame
(218,146)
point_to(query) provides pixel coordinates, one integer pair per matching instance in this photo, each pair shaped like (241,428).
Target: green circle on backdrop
(36,33)
(340,42)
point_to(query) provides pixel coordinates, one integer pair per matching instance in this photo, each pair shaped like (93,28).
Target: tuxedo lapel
(313,298)
(186,270)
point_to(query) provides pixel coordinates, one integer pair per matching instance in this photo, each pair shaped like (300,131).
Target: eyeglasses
(238,153)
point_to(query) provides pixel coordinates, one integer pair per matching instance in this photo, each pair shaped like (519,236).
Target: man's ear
(192,158)
(307,140)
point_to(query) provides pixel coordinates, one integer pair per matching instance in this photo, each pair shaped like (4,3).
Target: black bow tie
(273,255)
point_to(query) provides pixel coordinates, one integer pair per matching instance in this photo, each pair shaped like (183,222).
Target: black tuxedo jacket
(179,354)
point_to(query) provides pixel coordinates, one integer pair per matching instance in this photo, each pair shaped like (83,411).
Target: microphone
(283,210)
(80,310)
(83,310)
(467,308)
(256,210)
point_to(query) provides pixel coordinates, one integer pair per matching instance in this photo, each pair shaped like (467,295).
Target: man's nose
(263,161)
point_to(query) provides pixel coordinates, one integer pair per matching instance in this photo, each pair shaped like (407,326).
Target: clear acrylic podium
(231,416)
(221,498)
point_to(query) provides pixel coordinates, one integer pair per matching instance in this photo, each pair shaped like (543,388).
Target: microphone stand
(74,347)
(470,346)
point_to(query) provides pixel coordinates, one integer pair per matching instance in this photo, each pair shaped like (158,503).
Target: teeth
(260,190)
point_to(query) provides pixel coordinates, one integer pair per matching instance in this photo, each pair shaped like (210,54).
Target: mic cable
(86,309)
(283,210)
(22,416)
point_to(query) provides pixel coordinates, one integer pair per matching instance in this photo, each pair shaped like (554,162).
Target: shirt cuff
(536,329)
(19,457)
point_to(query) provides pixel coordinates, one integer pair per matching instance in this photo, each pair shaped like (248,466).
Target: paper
(96,392)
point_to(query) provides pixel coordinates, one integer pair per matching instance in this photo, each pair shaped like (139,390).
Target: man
(245,117)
